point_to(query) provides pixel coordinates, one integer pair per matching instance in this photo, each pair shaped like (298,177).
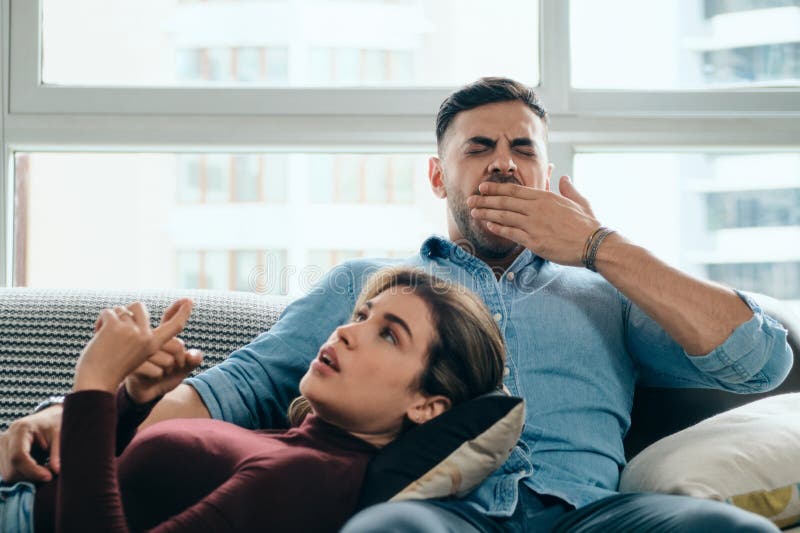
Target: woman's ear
(428,407)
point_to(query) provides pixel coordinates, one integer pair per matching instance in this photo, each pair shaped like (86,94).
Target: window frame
(36,117)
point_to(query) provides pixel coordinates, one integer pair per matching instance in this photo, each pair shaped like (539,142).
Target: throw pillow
(448,455)
(748,456)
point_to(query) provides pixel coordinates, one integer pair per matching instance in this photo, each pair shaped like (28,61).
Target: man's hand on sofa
(40,430)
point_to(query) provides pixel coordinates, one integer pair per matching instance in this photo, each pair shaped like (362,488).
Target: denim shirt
(576,350)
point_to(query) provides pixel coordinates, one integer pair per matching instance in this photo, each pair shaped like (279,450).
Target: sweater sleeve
(88,492)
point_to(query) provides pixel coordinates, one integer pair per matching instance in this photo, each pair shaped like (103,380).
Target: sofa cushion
(448,455)
(748,456)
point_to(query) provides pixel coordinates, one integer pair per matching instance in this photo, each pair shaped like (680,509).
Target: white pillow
(748,456)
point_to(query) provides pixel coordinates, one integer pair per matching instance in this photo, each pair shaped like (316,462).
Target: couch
(43,331)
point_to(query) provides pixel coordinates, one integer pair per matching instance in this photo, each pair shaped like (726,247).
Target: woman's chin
(306,384)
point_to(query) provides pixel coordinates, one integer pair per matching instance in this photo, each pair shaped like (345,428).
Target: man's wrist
(614,249)
(592,246)
(133,402)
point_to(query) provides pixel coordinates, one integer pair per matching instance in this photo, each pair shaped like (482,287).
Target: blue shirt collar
(438,246)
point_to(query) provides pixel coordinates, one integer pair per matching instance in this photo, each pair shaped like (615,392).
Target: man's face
(502,142)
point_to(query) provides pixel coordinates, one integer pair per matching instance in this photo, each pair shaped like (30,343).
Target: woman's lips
(326,362)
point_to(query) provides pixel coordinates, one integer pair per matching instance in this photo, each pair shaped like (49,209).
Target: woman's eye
(387,334)
(359,317)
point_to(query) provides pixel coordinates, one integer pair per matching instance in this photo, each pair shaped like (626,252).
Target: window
(217,178)
(365,179)
(716,214)
(721,7)
(200,221)
(690,44)
(750,209)
(244,128)
(263,272)
(780,280)
(295,43)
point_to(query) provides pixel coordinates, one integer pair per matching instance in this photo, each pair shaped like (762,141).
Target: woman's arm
(89,497)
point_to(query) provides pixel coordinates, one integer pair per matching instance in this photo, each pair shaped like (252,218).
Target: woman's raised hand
(124,341)
(165,369)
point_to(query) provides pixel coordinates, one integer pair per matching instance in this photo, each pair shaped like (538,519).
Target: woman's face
(364,377)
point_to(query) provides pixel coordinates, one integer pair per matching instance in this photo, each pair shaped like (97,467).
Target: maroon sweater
(199,474)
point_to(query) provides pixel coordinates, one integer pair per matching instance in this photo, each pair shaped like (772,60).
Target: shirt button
(510,276)
(498,317)
(506,372)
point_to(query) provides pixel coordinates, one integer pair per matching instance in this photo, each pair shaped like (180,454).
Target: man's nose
(503,163)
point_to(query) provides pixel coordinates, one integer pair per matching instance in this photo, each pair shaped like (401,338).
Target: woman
(415,347)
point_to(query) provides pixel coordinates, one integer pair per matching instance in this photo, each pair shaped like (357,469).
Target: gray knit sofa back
(42,332)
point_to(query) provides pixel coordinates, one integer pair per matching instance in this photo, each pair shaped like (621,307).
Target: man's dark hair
(482,92)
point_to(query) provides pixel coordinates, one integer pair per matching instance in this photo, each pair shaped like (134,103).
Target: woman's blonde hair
(466,357)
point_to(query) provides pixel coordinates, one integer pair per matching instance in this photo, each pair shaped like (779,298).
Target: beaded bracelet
(592,245)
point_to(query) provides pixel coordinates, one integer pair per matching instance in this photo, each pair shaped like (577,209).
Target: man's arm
(698,315)
(181,402)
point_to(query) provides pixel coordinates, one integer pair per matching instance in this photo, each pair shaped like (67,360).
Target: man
(578,340)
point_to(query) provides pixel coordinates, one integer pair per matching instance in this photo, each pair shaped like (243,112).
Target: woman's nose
(347,334)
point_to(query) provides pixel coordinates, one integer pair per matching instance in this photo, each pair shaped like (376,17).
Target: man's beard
(483,243)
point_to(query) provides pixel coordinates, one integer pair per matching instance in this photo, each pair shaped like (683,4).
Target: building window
(767,63)
(245,65)
(359,66)
(216,170)
(190,270)
(190,180)
(750,209)
(216,270)
(263,272)
(779,280)
(712,8)
(370,179)
(247,171)
(222,178)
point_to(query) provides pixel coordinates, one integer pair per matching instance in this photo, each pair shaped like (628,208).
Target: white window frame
(37,117)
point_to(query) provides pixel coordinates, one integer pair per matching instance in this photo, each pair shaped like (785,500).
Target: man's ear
(427,407)
(436,177)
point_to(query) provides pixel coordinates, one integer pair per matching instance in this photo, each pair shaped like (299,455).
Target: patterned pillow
(449,455)
(748,457)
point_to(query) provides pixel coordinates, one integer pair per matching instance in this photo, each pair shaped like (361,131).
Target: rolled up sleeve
(756,357)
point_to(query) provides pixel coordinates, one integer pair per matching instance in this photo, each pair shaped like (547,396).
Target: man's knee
(662,512)
(717,516)
(406,517)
